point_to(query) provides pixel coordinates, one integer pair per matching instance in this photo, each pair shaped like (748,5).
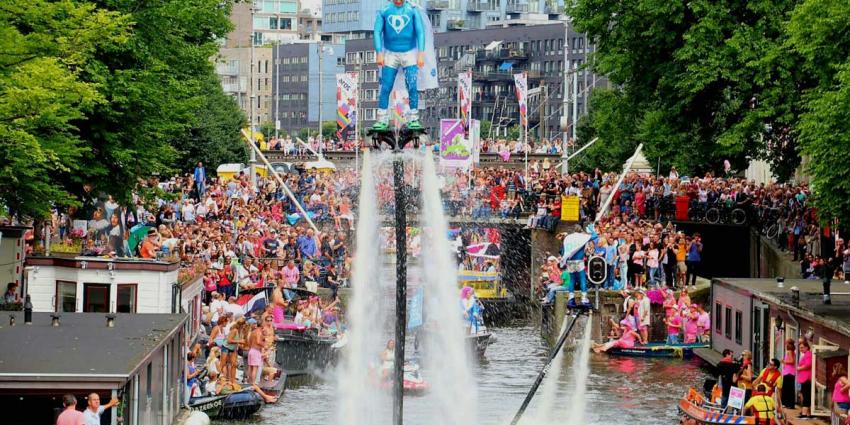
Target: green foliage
(215,137)
(515,132)
(45,47)
(104,92)
(329,129)
(267,128)
(700,81)
(609,119)
(818,31)
(486,125)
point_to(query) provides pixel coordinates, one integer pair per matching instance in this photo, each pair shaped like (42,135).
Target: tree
(700,81)
(45,48)
(155,84)
(268,130)
(485,128)
(329,129)
(215,138)
(610,119)
(818,32)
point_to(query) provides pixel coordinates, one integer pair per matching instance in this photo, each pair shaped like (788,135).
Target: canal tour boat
(694,409)
(658,350)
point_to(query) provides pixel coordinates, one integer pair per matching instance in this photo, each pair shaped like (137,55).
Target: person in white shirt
(217,306)
(188,212)
(94,409)
(234,309)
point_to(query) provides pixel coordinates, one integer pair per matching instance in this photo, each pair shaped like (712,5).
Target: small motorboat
(694,409)
(238,406)
(479,341)
(275,386)
(658,350)
(413,382)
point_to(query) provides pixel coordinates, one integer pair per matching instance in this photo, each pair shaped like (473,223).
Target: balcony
(516,8)
(437,5)
(480,6)
(240,87)
(501,55)
(493,76)
(227,69)
(455,24)
(553,9)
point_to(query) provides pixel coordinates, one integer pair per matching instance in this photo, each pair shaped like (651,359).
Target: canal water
(632,390)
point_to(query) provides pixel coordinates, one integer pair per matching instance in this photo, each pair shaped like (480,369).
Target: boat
(479,341)
(658,350)
(413,383)
(694,409)
(274,387)
(489,289)
(237,406)
(301,351)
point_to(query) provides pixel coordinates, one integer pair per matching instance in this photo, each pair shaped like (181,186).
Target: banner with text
(455,149)
(521,82)
(464,98)
(346,105)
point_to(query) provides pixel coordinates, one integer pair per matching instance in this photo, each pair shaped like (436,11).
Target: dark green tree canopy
(702,81)
(105,92)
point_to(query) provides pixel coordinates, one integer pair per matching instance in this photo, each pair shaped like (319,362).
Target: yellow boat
(487,285)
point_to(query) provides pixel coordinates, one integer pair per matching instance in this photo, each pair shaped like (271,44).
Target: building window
(95,298)
(718,318)
(351,58)
(149,381)
(369,114)
(371,76)
(370,57)
(126,298)
(285,24)
(739,326)
(66,296)
(728,320)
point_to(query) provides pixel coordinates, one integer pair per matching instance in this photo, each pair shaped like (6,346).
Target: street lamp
(322,49)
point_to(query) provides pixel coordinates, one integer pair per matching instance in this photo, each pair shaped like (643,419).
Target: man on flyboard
(572,261)
(403,42)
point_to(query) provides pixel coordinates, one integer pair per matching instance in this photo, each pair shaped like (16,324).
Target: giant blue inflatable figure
(402,38)
(574,248)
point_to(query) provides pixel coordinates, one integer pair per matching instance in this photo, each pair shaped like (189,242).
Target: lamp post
(253,159)
(321,50)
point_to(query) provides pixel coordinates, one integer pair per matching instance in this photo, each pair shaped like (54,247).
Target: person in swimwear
(388,360)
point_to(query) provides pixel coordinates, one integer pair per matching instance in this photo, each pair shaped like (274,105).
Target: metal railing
(437,4)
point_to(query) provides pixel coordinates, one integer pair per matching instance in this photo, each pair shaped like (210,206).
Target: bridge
(346,159)
(496,222)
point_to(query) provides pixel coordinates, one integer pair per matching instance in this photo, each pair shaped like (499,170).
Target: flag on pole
(257,302)
(464,98)
(521,83)
(346,104)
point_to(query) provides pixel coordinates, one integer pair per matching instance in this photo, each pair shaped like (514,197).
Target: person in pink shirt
(703,325)
(674,326)
(804,378)
(691,328)
(290,274)
(627,340)
(70,416)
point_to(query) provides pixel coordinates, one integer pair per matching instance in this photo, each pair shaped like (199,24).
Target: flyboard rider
(403,42)
(574,248)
